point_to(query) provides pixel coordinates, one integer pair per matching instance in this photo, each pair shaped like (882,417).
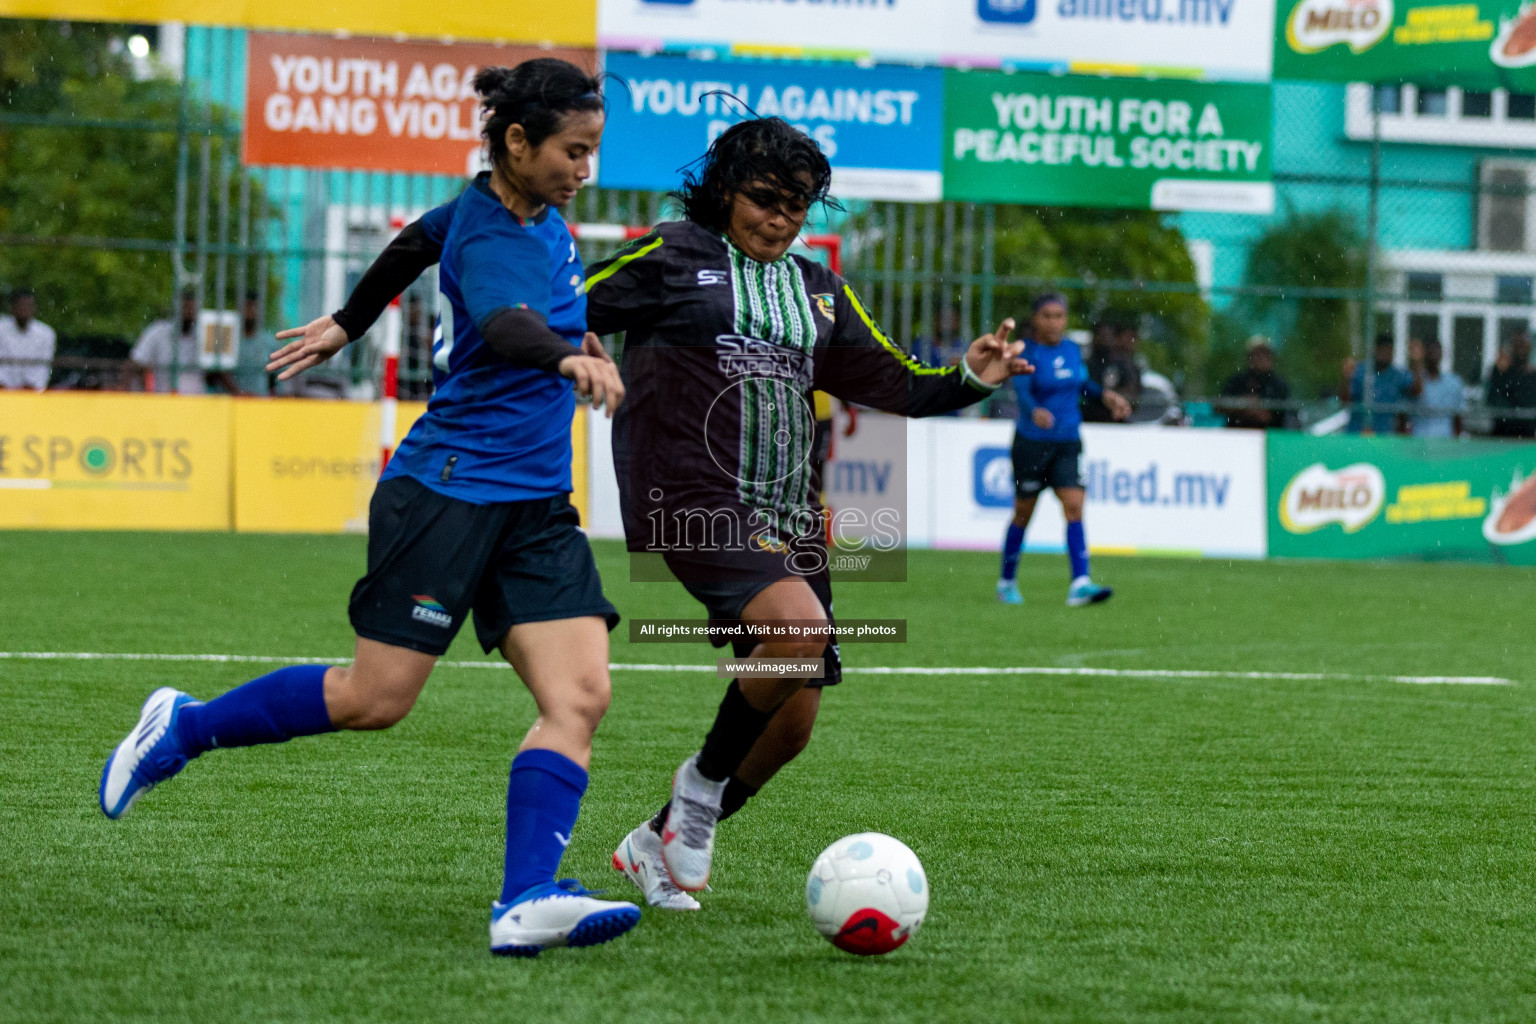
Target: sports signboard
(370,104)
(1216,39)
(879,127)
(1483,43)
(568,23)
(1079,141)
(1397,497)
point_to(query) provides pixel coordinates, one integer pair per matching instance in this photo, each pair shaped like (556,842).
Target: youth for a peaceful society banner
(1078,141)
(1397,497)
(370,104)
(1214,39)
(1475,44)
(878,126)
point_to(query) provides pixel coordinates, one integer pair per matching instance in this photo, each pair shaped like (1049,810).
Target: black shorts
(432,558)
(1041,464)
(725,582)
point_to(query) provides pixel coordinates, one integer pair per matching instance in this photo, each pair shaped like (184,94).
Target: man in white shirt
(26,344)
(152,353)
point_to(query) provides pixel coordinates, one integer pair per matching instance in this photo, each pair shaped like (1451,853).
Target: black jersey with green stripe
(721,355)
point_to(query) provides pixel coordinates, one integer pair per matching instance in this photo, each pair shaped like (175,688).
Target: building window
(1515,291)
(1422,286)
(1433,103)
(1451,116)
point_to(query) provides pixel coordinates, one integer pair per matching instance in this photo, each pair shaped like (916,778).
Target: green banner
(1478,45)
(1399,497)
(1084,141)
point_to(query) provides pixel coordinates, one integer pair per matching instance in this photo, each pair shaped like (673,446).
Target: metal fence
(1399,211)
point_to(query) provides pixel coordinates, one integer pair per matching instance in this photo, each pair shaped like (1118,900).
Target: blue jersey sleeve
(1024,389)
(500,266)
(435,223)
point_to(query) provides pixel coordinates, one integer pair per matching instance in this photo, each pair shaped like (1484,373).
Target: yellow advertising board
(80,461)
(568,23)
(306,466)
(302,466)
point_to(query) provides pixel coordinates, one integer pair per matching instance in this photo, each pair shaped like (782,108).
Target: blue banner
(881,128)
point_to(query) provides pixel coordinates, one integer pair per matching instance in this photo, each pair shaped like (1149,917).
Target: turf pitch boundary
(871,670)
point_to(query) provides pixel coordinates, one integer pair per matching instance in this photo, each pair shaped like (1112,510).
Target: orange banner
(371,104)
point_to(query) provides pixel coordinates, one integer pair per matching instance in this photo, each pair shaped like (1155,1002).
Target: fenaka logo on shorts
(1318,496)
(1315,25)
(428,610)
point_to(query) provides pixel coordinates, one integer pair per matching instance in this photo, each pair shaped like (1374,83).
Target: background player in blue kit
(1048,446)
(473,511)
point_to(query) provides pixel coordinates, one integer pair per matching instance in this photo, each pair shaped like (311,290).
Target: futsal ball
(867,893)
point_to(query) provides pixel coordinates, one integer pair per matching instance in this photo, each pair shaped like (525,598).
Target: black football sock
(737,727)
(736,794)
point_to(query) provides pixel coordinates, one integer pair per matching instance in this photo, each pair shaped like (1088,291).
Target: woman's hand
(1043,418)
(1117,404)
(595,373)
(993,358)
(317,341)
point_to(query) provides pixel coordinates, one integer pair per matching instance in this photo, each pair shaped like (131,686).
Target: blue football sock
(543,798)
(1013,543)
(277,707)
(1077,549)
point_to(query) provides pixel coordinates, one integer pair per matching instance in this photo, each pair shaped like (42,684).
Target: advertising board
(370,104)
(1080,141)
(1216,39)
(1478,44)
(1399,497)
(879,127)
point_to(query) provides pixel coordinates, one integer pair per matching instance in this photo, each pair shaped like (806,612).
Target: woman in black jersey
(727,335)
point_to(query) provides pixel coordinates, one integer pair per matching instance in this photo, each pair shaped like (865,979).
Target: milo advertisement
(1477,45)
(1399,497)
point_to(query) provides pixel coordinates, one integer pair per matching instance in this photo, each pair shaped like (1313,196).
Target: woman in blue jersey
(472,513)
(1048,448)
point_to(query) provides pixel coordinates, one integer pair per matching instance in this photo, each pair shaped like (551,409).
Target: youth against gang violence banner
(1482,44)
(879,127)
(1077,141)
(1214,39)
(370,104)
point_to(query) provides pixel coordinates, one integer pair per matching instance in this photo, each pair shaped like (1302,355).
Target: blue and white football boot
(1008,592)
(1084,591)
(150,755)
(557,914)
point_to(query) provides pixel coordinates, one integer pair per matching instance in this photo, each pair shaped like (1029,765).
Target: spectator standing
(256,344)
(1112,366)
(26,344)
(174,340)
(1512,385)
(1258,383)
(1442,396)
(1392,385)
(167,341)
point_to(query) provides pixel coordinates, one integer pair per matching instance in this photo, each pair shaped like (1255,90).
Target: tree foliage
(1322,249)
(1097,247)
(60,181)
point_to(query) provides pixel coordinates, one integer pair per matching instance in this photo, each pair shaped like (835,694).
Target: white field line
(1111,673)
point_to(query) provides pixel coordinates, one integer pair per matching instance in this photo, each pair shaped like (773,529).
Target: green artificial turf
(1099,848)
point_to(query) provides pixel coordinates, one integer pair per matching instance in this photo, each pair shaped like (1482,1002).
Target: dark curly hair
(536,94)
(764,151)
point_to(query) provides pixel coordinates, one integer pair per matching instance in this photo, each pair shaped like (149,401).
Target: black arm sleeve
(401,262)
(862,365)
(523,338)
